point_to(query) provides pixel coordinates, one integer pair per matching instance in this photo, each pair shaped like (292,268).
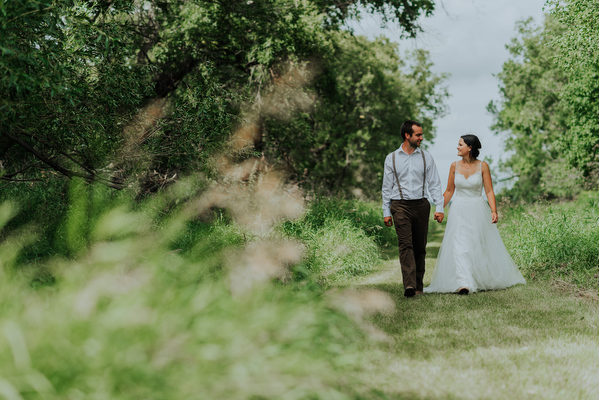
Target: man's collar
(403,151)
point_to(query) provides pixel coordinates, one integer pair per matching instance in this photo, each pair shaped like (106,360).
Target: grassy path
(527,342)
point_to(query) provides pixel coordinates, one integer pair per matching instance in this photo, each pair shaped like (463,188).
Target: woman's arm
(450,185)
(489,191)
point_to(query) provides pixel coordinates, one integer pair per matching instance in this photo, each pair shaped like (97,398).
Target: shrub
(555,241)
(367,216)
(339,250)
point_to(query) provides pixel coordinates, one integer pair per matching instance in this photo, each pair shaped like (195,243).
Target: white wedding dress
(472,254)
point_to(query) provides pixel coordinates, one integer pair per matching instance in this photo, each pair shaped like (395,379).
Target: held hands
(439,217)
(494,217)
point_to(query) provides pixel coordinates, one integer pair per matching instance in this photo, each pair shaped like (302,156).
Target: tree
(576,54)
(67,86)
(531,113)
(366,91)
(105,89)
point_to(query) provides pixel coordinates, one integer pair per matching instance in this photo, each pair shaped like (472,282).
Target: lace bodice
(470,187)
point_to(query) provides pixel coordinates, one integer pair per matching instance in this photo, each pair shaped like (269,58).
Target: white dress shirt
(410,171)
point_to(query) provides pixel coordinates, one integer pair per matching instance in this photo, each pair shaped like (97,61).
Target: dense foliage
(141,91)
(366,92)
(548,104)
(577,57)
(531,113)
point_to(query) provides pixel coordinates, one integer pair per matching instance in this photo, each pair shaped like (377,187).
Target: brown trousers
(410,218)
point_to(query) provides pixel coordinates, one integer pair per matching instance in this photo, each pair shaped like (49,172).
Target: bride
(472,256)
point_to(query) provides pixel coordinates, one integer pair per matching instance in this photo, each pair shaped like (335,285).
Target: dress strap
(480,166)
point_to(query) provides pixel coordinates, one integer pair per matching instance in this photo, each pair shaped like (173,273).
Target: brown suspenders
(397,179)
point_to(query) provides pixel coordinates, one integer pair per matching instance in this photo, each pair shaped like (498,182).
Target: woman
(472,256)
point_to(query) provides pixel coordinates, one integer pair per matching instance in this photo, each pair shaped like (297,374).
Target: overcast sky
(467,39)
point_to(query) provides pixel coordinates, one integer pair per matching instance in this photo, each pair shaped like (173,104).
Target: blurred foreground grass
(184,296)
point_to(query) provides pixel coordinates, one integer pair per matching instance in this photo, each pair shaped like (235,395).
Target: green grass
(41,203)
(337,250)
(342,238)
(367,216)
(526,342)
(556,241)
(153,301)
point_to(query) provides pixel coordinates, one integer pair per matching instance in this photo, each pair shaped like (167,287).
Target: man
(409,173)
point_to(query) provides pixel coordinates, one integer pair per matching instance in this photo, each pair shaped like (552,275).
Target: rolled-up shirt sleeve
(435,188)
(387,186)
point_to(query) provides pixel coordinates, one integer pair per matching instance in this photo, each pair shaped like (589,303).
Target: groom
(409,173)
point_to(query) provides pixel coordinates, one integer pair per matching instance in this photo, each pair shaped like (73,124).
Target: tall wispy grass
(338,250)
(212,289)
(366,216)
(174,299)
(556,240)
(343,238)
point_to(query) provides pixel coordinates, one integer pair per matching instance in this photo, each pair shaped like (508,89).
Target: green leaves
(81,82)
(405,13)
(531,113)
(365,92)
(550,102)
(576,54)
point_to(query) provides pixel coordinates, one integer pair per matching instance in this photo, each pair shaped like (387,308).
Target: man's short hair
(407,127)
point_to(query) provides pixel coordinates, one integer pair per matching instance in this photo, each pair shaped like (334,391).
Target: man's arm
(386,191)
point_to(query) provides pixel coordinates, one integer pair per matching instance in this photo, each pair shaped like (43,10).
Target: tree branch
(57,167)
(81,164)
(8,176)
(2,178)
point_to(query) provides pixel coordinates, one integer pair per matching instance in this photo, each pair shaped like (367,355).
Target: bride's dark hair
(472,141)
